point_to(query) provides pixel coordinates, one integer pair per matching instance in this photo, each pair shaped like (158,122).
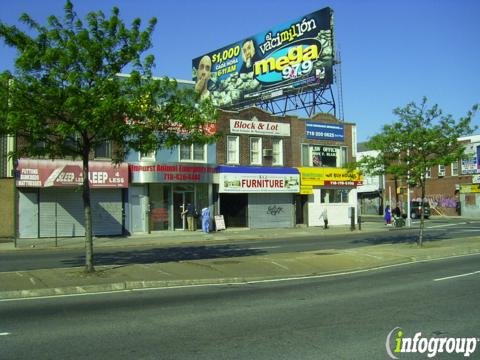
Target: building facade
(451,190)
(284,171)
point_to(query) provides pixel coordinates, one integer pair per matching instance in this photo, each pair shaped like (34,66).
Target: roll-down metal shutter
(270,210)
(61,212)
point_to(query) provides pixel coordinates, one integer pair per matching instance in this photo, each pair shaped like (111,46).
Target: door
(138,210)
(180,201)
(28,214)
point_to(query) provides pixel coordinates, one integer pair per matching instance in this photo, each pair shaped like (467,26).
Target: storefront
(329,192)
(257,197)
(470,198)
(50,198)
(158,193)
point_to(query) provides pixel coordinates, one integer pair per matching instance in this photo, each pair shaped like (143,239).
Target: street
(333,317)
(435,229)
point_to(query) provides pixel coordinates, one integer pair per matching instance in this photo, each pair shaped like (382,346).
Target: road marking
(457,276)
(4,334)
(243,282)
(279,265)
(263,247)
(445,225)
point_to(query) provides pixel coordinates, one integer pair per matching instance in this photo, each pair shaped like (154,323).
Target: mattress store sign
(259,128)
(251,182)
(63,173)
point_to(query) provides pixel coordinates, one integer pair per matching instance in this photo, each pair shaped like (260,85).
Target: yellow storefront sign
(329,176)
(306,190)
(469,188)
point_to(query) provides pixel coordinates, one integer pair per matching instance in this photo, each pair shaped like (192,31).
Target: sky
(391,52)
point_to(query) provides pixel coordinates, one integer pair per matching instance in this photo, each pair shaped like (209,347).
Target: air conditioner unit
(267,152)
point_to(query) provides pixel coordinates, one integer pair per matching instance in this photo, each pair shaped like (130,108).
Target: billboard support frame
(316,100)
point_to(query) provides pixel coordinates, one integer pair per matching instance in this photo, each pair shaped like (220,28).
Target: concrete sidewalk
(239,269)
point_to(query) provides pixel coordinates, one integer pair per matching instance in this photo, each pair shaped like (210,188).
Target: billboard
(286,59)
(320,131)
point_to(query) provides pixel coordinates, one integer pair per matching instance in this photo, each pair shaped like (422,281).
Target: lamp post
(409,221)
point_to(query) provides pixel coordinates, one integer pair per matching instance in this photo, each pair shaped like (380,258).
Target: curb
(139,285)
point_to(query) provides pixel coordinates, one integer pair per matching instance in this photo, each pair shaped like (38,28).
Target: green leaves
(66,86)
(422,137)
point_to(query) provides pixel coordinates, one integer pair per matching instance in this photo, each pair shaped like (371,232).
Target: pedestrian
(206,219)
(388,216)
(325,218)
(190,212)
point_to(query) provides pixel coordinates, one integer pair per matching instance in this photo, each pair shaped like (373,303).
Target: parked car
(416,209)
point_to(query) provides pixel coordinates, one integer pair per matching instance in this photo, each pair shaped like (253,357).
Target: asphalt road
(61,258)
(340,317)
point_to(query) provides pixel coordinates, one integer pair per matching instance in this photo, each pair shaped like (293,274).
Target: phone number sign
(321,131)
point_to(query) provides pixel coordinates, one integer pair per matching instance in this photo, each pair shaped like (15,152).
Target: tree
(422,138)
(65,97)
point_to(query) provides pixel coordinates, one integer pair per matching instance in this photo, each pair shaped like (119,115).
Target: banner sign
(318,131)
(171,173)
(64,173)
(285,59)
(259,128)
(329,177)
(243,179)
(469,188)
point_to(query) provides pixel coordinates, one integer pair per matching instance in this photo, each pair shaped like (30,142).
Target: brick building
(450,189)
(283,171)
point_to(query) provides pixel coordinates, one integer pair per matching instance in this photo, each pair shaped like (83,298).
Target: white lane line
(264,247)
(457,276)
(445,225)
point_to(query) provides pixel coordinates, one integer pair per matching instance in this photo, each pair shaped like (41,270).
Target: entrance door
(180,201)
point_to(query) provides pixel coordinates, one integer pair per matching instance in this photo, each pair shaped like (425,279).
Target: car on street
(416,209)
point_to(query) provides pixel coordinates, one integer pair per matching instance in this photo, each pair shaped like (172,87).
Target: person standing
(190,214)
(388,216)
(206,219)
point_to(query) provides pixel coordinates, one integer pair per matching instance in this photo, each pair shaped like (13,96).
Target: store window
(193,152)
(330,196)
(323,156)
(277,150)
(256,151)
(232,150)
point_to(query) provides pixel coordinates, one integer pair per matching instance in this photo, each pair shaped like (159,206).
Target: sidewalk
(224,268)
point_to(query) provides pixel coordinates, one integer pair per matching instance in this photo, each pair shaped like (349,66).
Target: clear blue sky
(392,52)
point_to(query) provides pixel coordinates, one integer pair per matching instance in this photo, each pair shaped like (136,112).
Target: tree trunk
(87,218)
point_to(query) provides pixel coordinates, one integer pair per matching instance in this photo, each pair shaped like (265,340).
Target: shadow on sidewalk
(162,255)
(406,236)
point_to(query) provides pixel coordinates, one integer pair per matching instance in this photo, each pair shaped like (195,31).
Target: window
(103,150)
(193,152)
(454,168)
(323,156)
(277,150)
(256,151)
(334,196)
(148,156)
(428,173)
(232,150)
(441,170)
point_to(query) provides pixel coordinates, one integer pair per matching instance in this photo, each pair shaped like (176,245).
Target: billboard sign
(318,131)
(64,173)
(285,59)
